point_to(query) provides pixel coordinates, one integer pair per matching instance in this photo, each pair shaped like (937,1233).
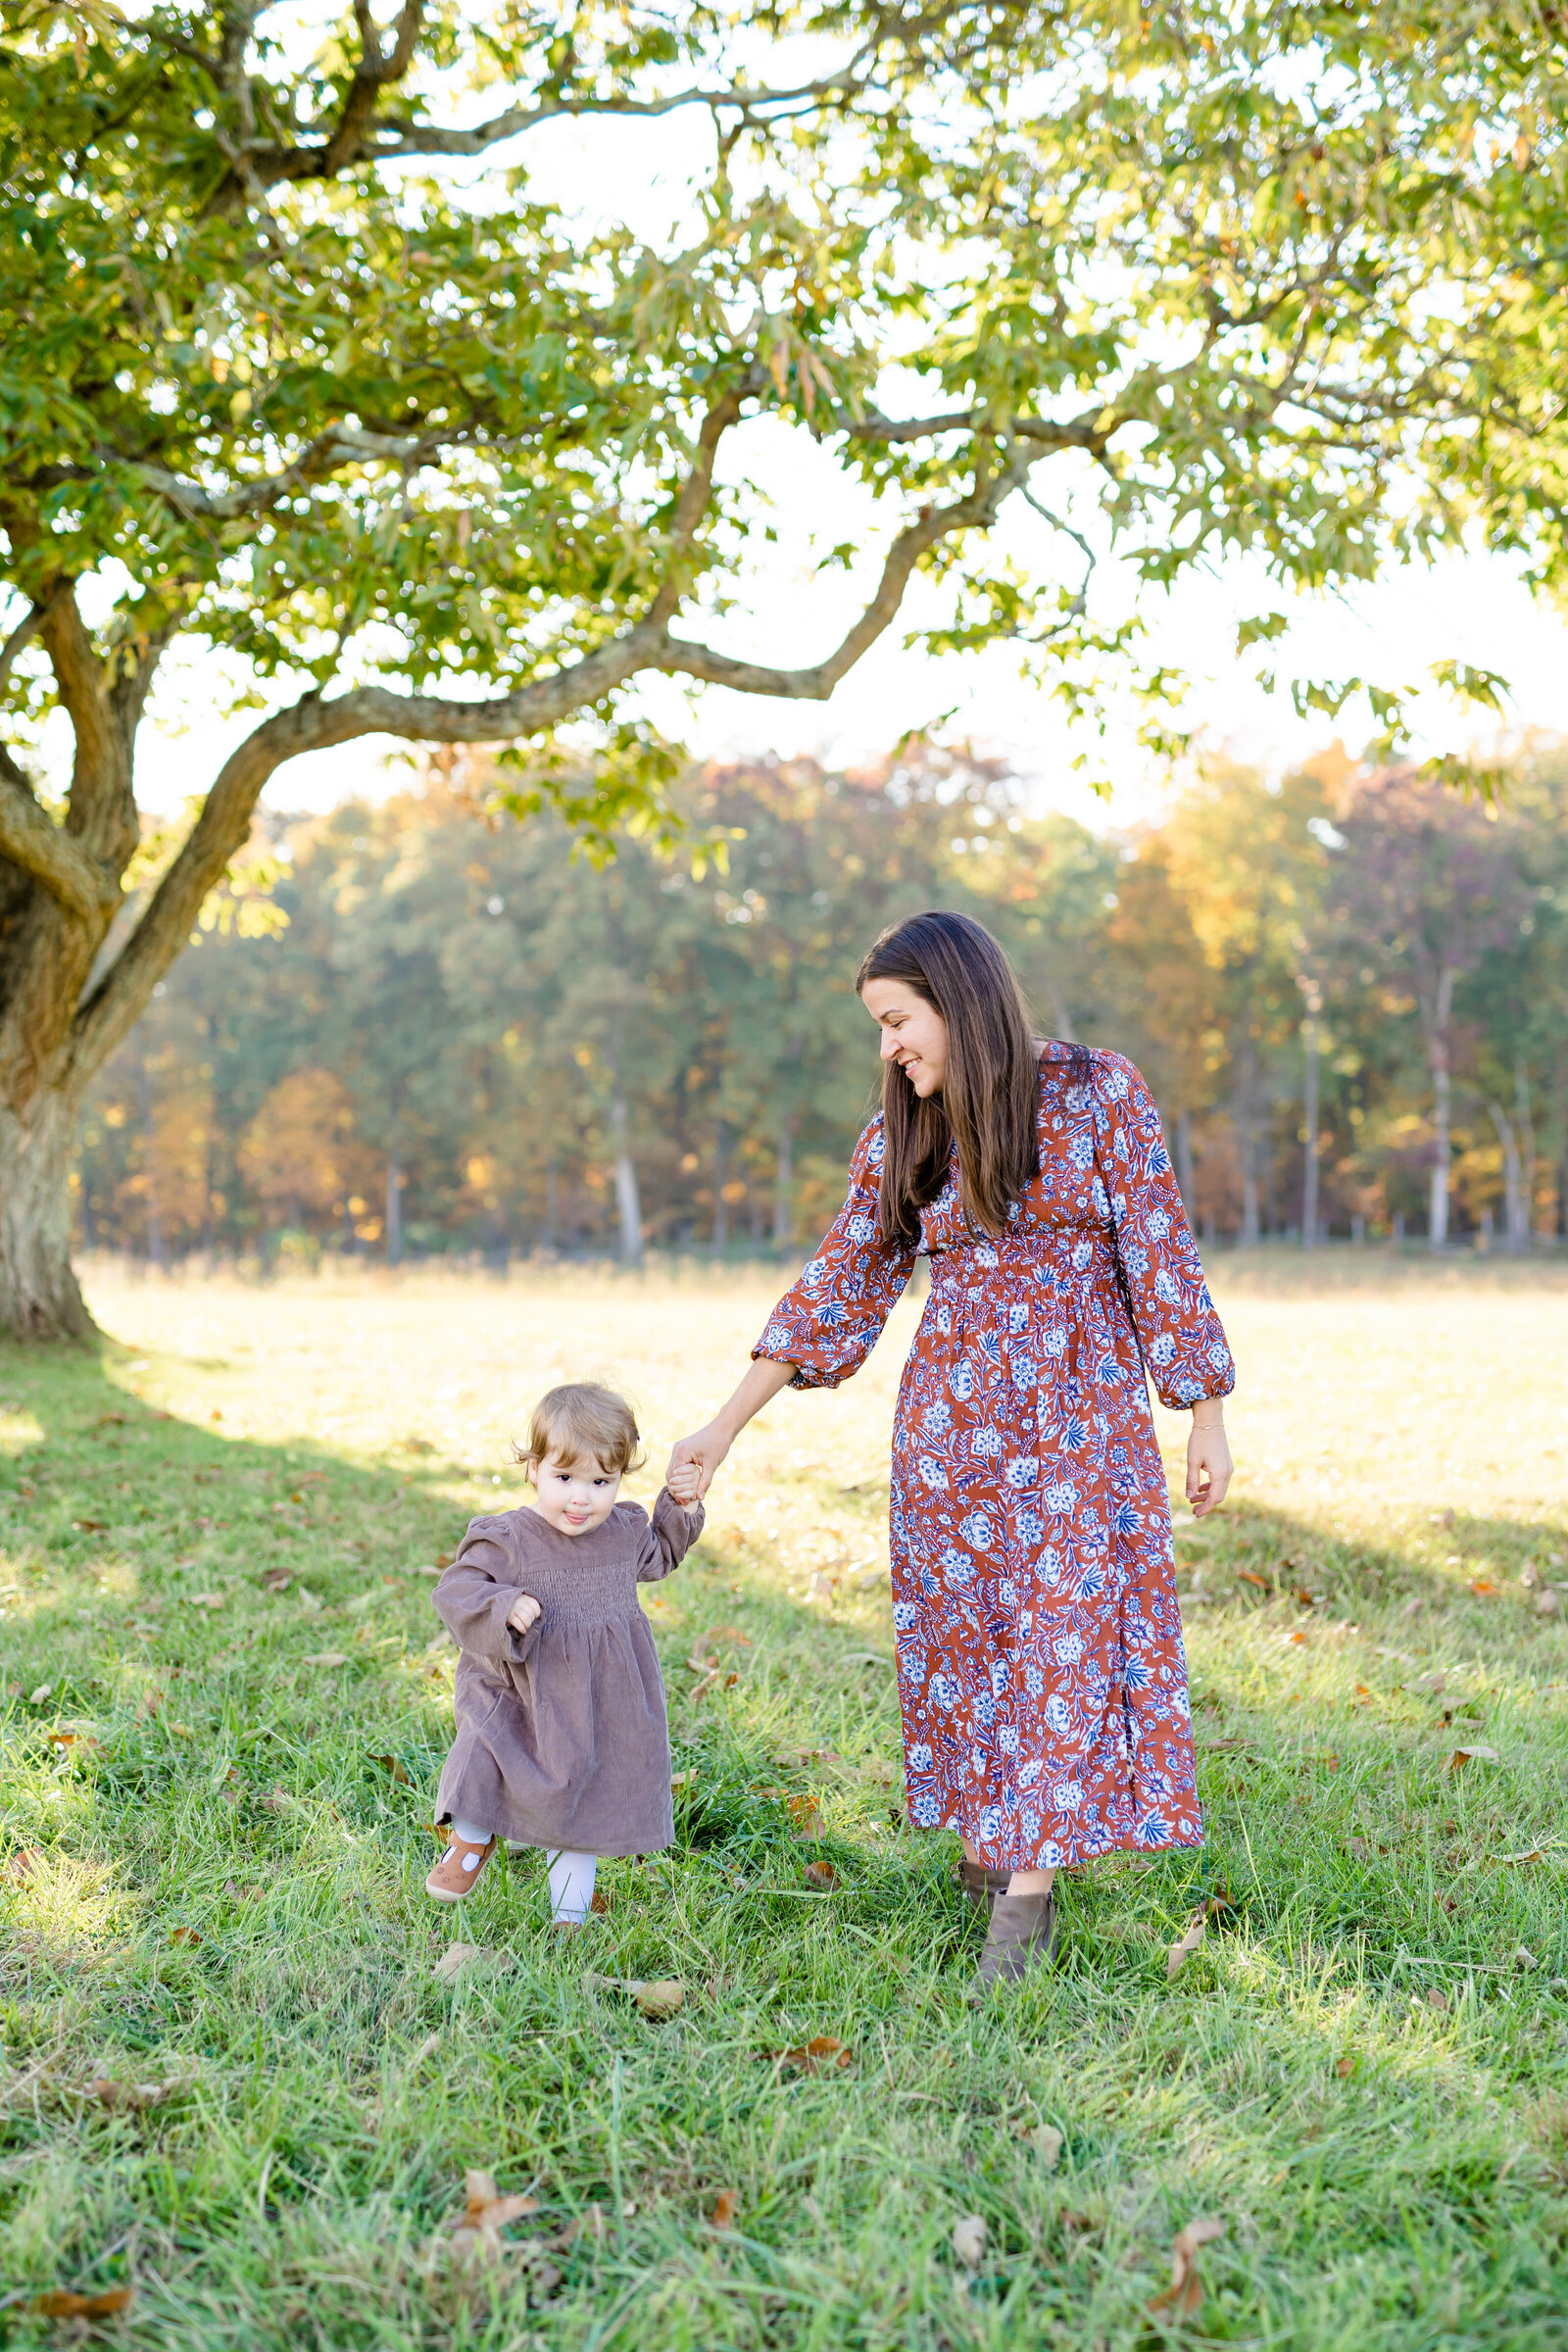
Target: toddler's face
(575,1496)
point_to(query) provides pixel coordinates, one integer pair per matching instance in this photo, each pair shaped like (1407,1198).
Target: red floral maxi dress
(1041,1668)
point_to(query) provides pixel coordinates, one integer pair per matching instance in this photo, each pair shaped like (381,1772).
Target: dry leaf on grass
(656,1997)
(92,1526)
(70,1740)
(277,1580)
(476,2229)
(1437,1999)
(24,1864)
(683,1780)
(203,1600)
(1046,2143)
(823,1876)
(394,1769)
(35,1699)
(1186,2289)
(1462,1756)
(821,2055)
(459,1956)
(1546,1603)
(725,2208)
(121,2097)
(1181,1953)
(1346,2069)
(728,1633)
(59,2303)
(805,1815)
(326,1657)
(186,1936)
(1249,1576)
(969,2240)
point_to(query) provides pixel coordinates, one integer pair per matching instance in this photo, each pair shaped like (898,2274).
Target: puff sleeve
(475,1592)
(1183,1343)
(829,1324)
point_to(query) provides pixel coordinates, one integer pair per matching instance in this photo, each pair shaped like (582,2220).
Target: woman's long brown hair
(989,1098)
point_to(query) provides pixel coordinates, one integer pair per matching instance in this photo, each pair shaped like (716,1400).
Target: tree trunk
(1187,1165)
(1247,1147)
(394,1211)
(720,1240)
(628,1199)
(1524,1128)
(1310,1116)
(784,1186)
(1441,1111)
(1516,1206)
(39,1296)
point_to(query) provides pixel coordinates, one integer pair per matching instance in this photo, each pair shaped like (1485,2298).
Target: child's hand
(524,1613)
(683,1482)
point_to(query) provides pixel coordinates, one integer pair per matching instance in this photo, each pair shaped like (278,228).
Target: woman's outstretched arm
(707,1447)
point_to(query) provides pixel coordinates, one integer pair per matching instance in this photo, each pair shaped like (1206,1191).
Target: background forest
(420,1026)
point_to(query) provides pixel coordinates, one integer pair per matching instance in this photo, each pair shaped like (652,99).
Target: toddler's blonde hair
(582,1421)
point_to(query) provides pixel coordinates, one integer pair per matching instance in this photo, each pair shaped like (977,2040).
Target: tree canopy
(295,365)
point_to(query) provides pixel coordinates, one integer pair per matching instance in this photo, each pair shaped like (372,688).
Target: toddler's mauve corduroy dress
(1041,1668)
(563,1738)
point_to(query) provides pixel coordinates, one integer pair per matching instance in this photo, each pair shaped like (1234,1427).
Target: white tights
(571,1876)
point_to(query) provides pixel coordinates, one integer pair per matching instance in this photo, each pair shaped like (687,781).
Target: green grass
(223,1900)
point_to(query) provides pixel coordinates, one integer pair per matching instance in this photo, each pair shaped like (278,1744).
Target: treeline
(444,1031)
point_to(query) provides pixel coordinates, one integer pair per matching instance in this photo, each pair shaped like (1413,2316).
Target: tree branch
(102,810)
(817,682)
(31,840)
(20,637)
(404,139)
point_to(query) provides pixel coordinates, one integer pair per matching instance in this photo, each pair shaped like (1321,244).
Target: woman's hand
(1209,1467)
(694,1462)
(706,1448)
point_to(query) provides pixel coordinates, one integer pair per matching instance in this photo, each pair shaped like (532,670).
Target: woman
(1041,1670)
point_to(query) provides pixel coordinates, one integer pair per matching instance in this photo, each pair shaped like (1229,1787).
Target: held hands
(524,1613)
(683,1480)
(1209,1467)
(694,1462)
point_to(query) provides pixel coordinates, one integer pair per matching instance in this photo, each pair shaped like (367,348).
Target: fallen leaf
(683,1780)
(277,1580)
(821,2055)
(1048,2143)
(1546,1603)
(459,1956)
(805,1815)
(1480,1586)
(119,2098)
(1525,1856)
(421,1572)
(1525,1958)
(204,1600)
(702,1665)
(823,1876)
(728,1633)
(1301,1597)
(1358,1846)
(725,2208)
(484,2208)
(599,1901)
(1186,2289)
(277,1801)
(395,1770)
(657,1999)
(110,1421)
(1249,1576)
(68,1738)
(1466,1755)
(24,1864)
(187,1936)
(61,2304)
(1297,1637)
(969,2240)
(326,1657)
(35,1699)
(443,1559)
(92,1526)
(1437,1999)
(1443,1518)
(1431,1683)
(215,1414)
(1346,2069)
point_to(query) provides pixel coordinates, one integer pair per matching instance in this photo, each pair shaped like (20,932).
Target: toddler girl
(562,1740)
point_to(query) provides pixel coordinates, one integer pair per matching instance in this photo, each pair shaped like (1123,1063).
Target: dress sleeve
(475,1592)
(668,1537)
(1173,1315)
(829,1324)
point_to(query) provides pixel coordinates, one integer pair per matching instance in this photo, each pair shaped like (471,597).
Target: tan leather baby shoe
(458,1870)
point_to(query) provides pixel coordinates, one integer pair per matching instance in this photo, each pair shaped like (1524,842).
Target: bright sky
(1470,610)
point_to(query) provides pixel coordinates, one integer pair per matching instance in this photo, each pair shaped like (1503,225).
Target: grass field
(236,2079)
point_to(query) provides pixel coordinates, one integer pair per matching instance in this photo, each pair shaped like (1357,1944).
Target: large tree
(295,366)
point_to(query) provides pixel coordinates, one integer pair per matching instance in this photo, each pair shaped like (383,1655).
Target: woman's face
(914,1033)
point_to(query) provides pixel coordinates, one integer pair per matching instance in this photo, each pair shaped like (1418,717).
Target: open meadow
(243,2075)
